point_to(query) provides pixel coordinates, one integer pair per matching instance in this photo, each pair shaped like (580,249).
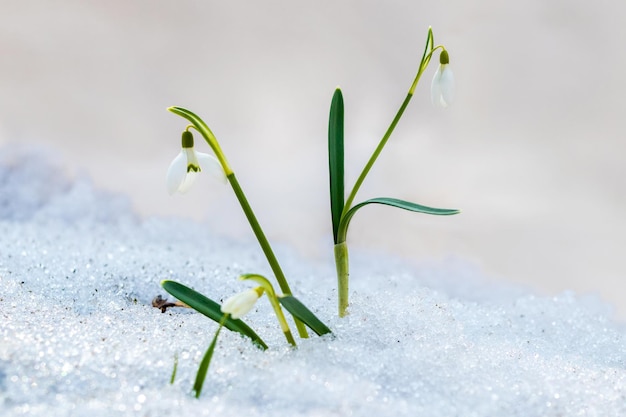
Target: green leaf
(211,309)
(204,365)
(393,202)
(173,377)
(407,205)
(335,160)
(430,43)
(189,115)
(300,311)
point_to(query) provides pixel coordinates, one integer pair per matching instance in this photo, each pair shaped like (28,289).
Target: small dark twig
(163,304)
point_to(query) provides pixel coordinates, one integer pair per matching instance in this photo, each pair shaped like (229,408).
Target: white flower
(239,304)
(187,165)
(442,88)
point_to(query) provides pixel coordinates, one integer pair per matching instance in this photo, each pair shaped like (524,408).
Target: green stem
(281,319)
(210,138)
(271,295)
(341,248)
(343,273)
(428,52)
(265,245)
(377,152)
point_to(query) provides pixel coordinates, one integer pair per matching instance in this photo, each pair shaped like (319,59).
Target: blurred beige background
(532,150)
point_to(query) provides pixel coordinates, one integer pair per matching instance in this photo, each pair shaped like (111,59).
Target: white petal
(211,165)
(447,86)
(435,88)
(188,181)
(176,173)
(443,87)
(239,304)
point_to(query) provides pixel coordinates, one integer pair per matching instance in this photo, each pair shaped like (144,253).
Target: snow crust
(78,334)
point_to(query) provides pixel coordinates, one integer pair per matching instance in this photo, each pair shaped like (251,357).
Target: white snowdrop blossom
(240,304)
(442,89)
(187,165)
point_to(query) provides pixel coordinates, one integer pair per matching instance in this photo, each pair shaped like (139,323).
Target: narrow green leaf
(204,365)
(430,43)
(189,115)
(211,309)
(300,311)
(407,205)
(393,202)
(335,160)
(173,377)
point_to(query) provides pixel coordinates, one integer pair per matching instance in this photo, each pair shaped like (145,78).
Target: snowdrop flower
(442,88)
(240,304)
(185,167)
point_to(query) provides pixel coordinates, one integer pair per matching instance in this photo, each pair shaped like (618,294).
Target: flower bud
(240,304)
(187,139)
(444,59)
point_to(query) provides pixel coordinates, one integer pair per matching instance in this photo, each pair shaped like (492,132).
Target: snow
(78,271)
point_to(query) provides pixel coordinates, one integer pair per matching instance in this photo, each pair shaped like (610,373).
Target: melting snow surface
(78,334)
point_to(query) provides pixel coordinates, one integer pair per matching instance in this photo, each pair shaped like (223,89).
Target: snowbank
(78,271)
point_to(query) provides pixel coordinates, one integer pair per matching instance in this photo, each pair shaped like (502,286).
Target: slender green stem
(428,52)
(341,248)
(258,232)
(265,245)
(210,138)
(271,295)
(281,319)
(374,156)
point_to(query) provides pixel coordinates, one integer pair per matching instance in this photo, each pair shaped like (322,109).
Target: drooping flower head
(442,88)
(240,304)
(188,163)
